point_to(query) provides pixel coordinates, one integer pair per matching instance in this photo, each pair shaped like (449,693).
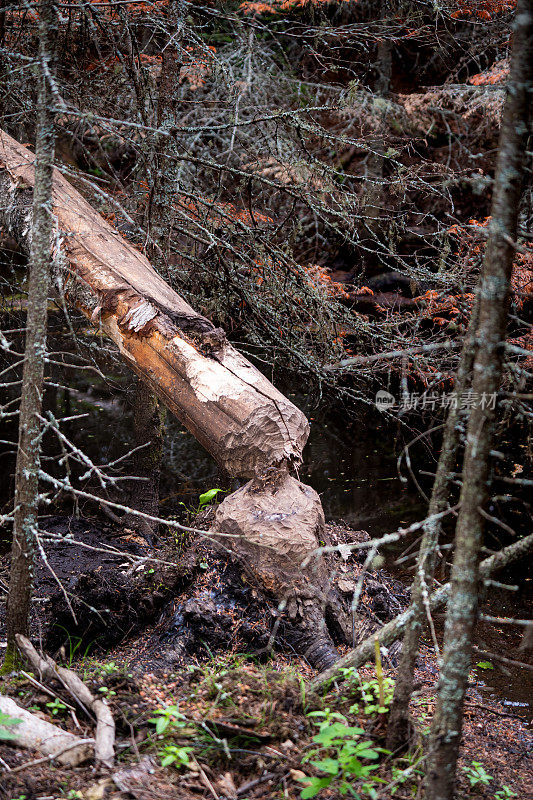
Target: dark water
(354,469)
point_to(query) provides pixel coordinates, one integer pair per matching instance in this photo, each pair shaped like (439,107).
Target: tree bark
(398,725)
(29,444)
(148,429)
(164,157)
(494,295)
(227,404)
(373,200)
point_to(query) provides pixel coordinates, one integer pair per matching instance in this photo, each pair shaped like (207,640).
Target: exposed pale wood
(48,739)
(228,405)
(104,751)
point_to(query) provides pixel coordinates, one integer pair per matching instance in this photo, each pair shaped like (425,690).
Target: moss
(11,660)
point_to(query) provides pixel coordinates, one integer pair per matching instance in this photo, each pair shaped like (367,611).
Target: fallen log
(394,629)
(226,403)
(104,751)
(50,740)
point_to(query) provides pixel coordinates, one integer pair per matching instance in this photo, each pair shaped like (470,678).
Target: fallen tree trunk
(50,740)
(47,669)
(226,403)
(394,629)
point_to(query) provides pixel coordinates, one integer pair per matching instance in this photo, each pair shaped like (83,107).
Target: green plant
(56,707)
(403,775)
(341,758)
(110,668)
(477,774)
(205,499)
(175,756)
(167,719)
(7,722)
(74,645)
(505,793)
(106,691)
(376,696)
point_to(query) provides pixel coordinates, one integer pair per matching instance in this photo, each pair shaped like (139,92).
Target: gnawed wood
(226,403)
(50,740)
(274,525)
(104,751)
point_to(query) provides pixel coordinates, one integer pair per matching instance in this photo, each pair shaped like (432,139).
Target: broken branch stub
(226,403)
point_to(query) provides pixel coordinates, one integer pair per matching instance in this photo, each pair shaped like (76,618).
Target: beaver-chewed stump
(274,525)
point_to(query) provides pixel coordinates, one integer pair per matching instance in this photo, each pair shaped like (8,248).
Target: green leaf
(329,765)
(7,722)
(485,665)
(161,724)
(314,787)
(208,497)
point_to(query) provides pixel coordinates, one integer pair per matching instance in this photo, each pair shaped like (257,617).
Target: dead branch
(36,733)
(105,724)
(394,629)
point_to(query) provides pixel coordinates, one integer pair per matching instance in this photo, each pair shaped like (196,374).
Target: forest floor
(246,721)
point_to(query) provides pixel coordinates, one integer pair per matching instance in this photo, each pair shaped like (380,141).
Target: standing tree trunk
(493,304)
(373,199)
(29,444)
(3,70)
(398,726)
(164,162)
(148,428)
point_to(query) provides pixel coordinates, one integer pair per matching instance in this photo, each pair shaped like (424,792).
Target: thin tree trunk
(29,445)
(164,159)
(398,726)
(373,200)
(3,71)
(148,426)
(149,412)
(493,309)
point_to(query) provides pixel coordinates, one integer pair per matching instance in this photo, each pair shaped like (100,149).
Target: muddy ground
(150,634)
